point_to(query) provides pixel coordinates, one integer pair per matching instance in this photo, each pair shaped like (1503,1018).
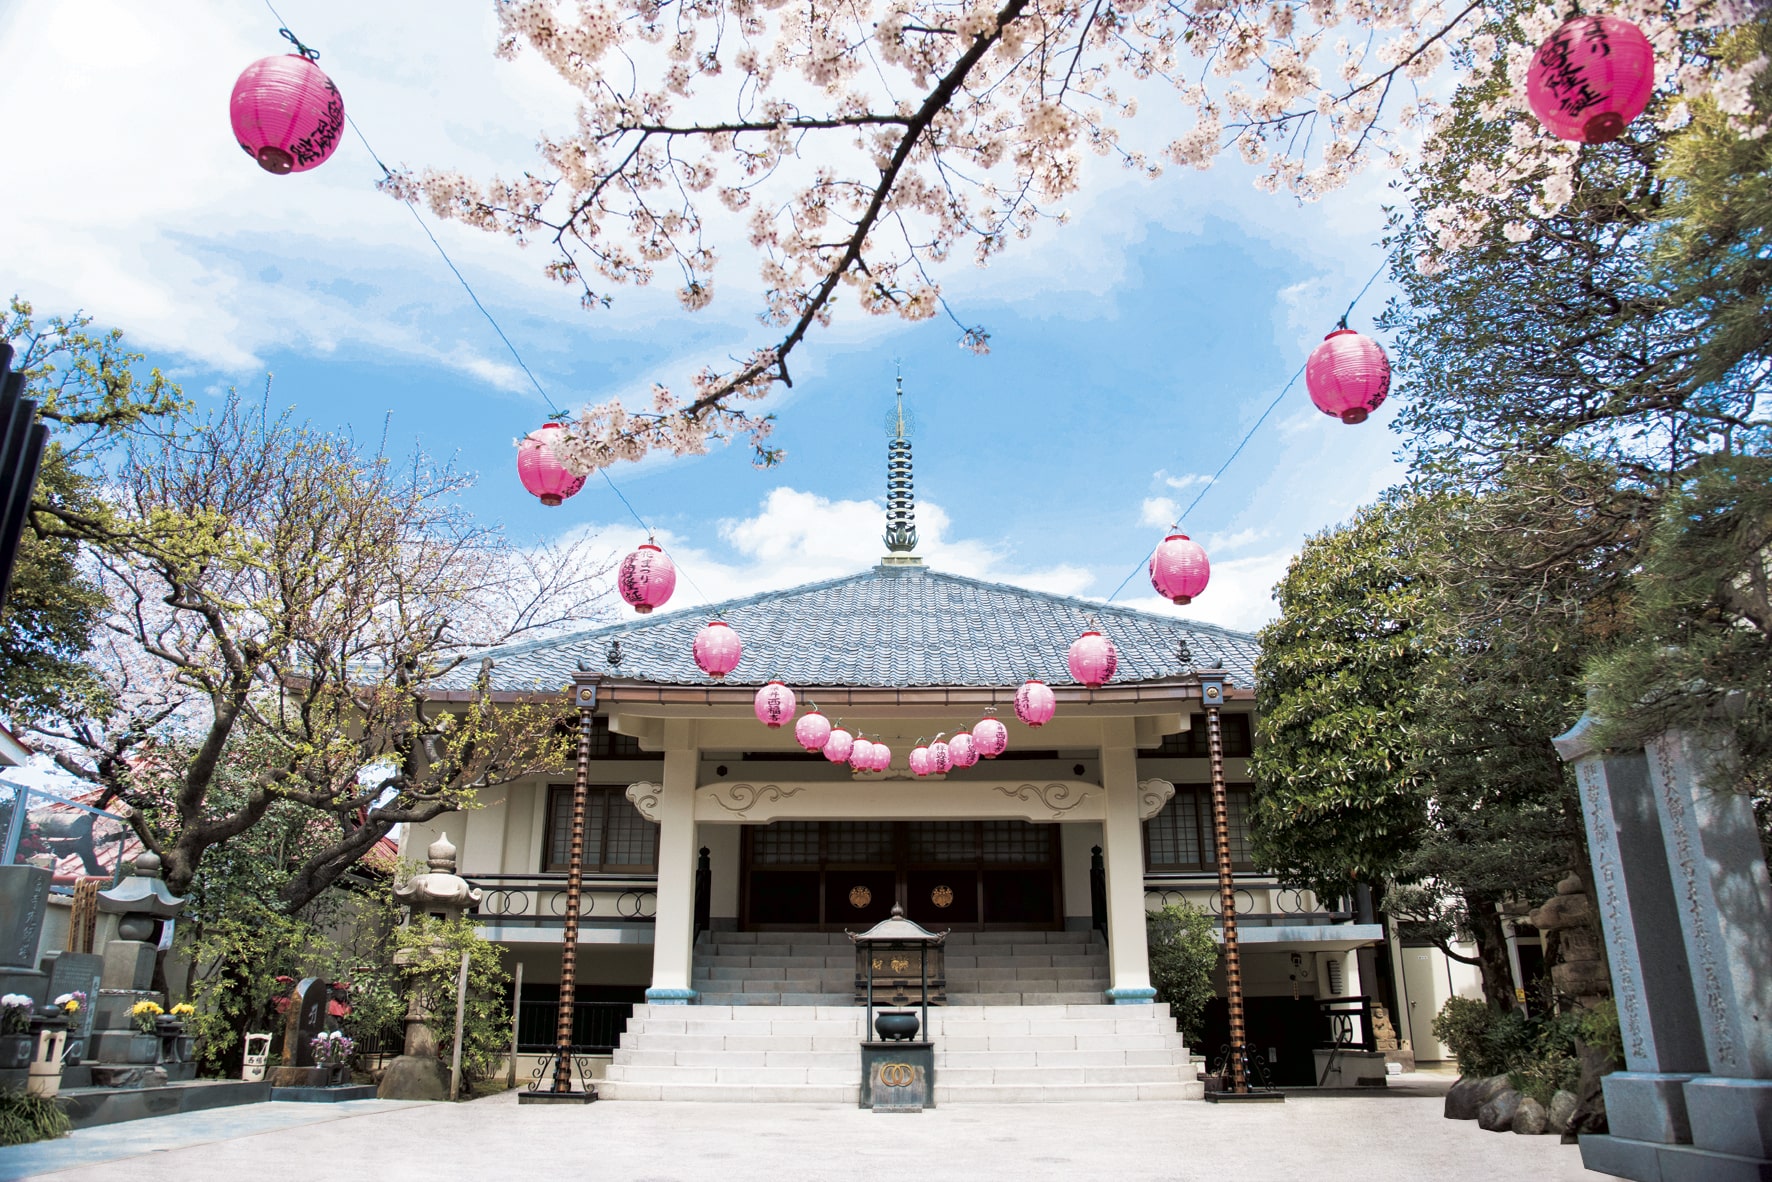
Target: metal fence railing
(596,1025)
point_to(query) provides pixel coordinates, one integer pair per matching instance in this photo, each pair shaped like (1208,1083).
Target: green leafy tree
(90,395)
(1406,719)
(291,614)
(436,947)
(1339,682)
(1183,953)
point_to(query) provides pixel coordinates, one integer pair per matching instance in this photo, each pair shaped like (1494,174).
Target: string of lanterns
(1586,83)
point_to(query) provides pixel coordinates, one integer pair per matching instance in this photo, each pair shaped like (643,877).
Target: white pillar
(674,930)
(1122,844)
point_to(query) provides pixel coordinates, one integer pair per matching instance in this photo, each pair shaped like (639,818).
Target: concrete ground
(1380,1136)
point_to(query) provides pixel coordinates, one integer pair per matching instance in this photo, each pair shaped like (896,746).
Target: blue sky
(1130,349)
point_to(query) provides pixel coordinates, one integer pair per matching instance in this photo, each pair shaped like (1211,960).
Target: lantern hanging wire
(1249,434)
(313,54)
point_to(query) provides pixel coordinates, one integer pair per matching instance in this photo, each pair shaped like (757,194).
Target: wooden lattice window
(1179,839)
(618,840)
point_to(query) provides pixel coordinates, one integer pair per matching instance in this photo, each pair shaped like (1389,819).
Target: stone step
(847,1094)
(1061,1076)
(1074,1094)
(842,940)
(765,983)
(1056,997)
(808,998)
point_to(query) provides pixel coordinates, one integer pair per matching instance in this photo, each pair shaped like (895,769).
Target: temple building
(723,863)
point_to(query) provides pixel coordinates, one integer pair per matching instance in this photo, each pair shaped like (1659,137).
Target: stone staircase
(994,1053)
(818,969)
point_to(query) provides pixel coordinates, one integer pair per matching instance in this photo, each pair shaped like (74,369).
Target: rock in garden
(1562,1107)
(1469,1095)
(1497,1116)
(1530,1118)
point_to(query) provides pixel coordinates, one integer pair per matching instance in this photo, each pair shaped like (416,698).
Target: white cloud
(1158,512)
(797,537)
(1188,480)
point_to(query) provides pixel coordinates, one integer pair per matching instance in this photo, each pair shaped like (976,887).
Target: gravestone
(24,900)
(303,1021)
(1686,913)
(76,972)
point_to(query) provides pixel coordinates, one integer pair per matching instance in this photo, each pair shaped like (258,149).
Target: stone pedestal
(122,1055)
(129,964)
(898,1076)
(1686,911)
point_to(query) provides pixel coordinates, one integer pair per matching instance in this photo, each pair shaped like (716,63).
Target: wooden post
(1212,693)
(516,1013)
(586,695)
(461,1006)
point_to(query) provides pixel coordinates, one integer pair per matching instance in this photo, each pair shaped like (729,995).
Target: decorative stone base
(1213,1097)
(87,1107)
(1645,1161)
(299,1077)
(1134,996)
(1731,1115)
(128,1075)
(414,1077)
(1651,1106)
(557,1097)
(331,1095)
(670,997)
(898,1076)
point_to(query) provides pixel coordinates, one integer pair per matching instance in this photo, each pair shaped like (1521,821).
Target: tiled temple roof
(888,626)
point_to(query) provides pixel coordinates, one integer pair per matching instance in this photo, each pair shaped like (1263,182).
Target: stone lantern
(418,1074)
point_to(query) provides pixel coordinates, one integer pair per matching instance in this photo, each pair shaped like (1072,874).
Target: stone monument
(123,1055)
(24,901)
(304,1019)
(1686,911)
(419,1074)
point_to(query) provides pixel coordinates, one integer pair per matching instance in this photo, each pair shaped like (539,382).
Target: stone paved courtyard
(1380,1137)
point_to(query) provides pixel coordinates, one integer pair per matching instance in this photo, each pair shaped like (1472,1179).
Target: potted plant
(332,1051)
(15,1031)
(184,1045)
(145,1015)
(72,1005)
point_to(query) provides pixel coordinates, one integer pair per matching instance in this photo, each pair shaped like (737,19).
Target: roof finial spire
(901,497)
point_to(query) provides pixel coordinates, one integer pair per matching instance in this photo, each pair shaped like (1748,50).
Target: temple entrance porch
(961,875)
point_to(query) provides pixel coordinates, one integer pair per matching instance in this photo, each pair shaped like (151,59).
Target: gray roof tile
(888,626)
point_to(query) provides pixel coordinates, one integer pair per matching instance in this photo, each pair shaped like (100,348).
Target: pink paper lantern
(941,760)
(990,736)
(287,114)
(717,649)
(541,471)
(861,755)
(882,757)
(837,746)
(963,750)
(919,761)
(1179,570)
(774,705)
(813,731)
(1348,375)
(1591,78)
(1035,703)
(646,578)
(1092,659)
